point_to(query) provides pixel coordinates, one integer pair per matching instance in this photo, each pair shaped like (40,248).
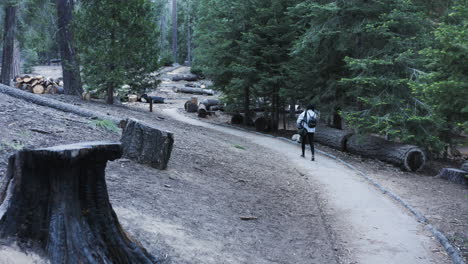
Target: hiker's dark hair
(311,107)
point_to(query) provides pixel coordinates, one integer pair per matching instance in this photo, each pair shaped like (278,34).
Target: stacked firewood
(39,84)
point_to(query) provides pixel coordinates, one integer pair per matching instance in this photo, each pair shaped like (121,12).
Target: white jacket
(309,114)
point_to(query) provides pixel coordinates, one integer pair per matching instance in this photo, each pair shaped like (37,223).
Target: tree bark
(246,103)
(454,175)
(70,66)
(407,157)
(16,69)
(147,144)
(174,30)
(56,200)
(8,44)
(332,137)
(195,90)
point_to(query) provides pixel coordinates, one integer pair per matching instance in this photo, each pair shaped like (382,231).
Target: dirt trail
(374,228)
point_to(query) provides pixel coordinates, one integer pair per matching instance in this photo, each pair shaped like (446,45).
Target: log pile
(39,84)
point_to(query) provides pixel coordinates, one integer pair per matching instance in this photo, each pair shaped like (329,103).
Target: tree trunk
(292,109)
(189,35)
(56,200)
(174,30)
(70,66)
(407,157)
(8,44)
(332,137)
(16,69)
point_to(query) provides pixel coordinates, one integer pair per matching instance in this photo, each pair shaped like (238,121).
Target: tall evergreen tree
(118,44)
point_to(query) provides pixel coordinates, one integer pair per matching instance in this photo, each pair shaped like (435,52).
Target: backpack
(312,122)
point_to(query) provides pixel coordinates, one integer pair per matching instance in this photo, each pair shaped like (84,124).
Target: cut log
(86,96)
(210,102)
(190,107)
(332,137)
(146,144)
(407,157)
(27,79)
(51,89)
(465,166)
(38,89)
(202,112)
(132,98)
(237,119)
(185,77)
(454,175)
(194,100)
(55,201)
(194,91)
(261,124)
(216,108)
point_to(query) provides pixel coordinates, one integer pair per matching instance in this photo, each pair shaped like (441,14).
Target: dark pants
(310,137)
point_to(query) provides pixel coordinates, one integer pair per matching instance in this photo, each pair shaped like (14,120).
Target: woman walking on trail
(306,123)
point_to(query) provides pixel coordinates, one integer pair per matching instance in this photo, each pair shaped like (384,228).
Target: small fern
(106,125)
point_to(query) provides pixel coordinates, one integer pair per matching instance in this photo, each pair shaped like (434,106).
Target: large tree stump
(191,107)
(55,200)
(454,175)
(332,137)
(146,144)
(407,157)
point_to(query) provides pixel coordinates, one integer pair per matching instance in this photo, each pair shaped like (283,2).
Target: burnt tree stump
(55,200)
(146,144)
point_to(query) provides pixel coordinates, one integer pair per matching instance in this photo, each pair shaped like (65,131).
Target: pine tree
(118,45)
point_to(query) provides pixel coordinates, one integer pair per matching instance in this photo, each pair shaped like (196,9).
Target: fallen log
(195,90)
(332,137)
(202,112)
(185,77)
(40,100)
(216,108)
(55,201)
(190,107)
(465,166)
(146,144)
(454,175)
(407,157)
(210,102)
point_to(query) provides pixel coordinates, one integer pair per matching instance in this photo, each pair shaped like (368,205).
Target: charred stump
(454,175)
(332,137)
(55,200)
(407,157)
(146,144)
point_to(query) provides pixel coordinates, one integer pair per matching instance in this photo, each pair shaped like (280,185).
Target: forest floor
(191,212)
